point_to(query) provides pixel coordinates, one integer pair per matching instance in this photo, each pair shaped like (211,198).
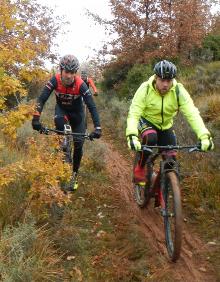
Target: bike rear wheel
(172,215)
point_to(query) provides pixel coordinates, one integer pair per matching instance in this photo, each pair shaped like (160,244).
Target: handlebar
(191,148)
(46,130)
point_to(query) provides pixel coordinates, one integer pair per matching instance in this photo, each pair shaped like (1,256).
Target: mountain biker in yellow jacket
(151,114)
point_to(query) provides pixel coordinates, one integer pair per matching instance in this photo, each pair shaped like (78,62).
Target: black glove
(95,94)
(36,123)
(97,133)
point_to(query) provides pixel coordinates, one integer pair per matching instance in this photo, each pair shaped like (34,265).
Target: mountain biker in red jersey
(89,81)
(150,117)
(70,91)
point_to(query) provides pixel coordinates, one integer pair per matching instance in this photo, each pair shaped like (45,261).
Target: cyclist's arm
(136,110)
(191,113)
(90,81)
(45,94)
(87,97)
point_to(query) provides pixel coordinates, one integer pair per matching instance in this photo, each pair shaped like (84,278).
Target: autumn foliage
(27,33)
(26,36)
(43,171)
(149,29)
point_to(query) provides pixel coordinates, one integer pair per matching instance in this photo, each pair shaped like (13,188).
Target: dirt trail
(192,266)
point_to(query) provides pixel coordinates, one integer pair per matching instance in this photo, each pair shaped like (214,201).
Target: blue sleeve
(45,94)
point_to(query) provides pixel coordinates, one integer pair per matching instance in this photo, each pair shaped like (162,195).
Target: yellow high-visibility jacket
(160,110)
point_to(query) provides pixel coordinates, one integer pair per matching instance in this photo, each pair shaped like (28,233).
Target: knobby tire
(173,237)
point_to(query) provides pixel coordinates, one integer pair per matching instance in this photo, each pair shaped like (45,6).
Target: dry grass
(212,110)
(27,255)
(98,232)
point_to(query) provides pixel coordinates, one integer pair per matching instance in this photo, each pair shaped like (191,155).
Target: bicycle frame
(156,185)
(152,185)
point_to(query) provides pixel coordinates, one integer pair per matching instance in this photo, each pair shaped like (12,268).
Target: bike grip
(199,145)
(41,131)
(44,130)
(90,137)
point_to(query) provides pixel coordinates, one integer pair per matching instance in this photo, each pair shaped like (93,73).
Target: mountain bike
(164,186)
(68,142)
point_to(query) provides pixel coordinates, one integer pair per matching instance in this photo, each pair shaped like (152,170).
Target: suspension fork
(163,171)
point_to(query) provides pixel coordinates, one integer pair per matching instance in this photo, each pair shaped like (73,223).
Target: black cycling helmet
(165,70)
(69,63)
(84,74)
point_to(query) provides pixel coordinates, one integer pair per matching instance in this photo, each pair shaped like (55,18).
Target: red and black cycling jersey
(69,98)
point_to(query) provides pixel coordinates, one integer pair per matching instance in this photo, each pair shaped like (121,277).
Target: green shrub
(206,79)
(114,115)
(212,44)
(136,75)
(112,75)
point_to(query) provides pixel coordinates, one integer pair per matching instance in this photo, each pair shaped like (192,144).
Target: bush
(114,115)
(136,75)
(212,44)
(206,79)
(212,110)
(113,75)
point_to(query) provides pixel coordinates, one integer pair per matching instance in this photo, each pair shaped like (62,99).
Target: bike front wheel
(141,195)
(68,150)
(172,215)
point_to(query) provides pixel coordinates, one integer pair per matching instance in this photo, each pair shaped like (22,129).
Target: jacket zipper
(162,112)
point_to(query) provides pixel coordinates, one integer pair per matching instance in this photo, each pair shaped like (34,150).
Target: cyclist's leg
(148,136)
(61,118)
(77,121)
(167,137)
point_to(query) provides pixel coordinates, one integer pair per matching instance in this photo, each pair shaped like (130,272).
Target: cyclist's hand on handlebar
(133,143)
(44,130)
(97,133)
(206,143)
(36,124)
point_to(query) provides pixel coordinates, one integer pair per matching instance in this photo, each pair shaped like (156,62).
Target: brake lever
(195,149)
(90,137)
(145,149)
